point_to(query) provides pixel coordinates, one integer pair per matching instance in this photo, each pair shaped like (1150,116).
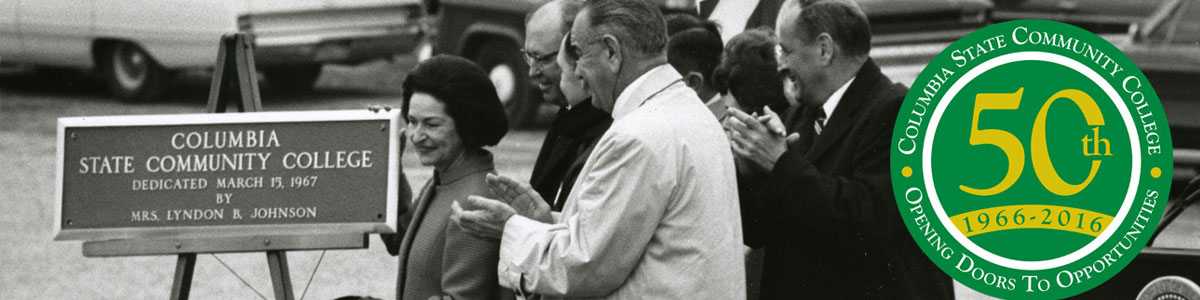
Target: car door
(57,32)
(1181,52)
(175,33)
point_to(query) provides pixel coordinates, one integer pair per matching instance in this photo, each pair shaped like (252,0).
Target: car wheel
(501,60)
(132,74)
(292,78)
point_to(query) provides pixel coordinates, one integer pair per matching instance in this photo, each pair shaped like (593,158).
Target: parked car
(1094,15)
(136,45)
(911,21)
(1166,47)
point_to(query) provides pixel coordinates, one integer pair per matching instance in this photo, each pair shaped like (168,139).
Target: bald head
(544,31)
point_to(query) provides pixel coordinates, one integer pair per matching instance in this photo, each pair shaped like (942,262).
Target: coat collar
(643,88)
(579,120)
(839,123)
(474,161)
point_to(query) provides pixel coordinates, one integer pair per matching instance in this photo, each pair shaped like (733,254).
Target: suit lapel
(795,119)
(844,114)
(554,159)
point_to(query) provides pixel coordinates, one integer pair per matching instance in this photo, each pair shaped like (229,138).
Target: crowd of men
(690,160)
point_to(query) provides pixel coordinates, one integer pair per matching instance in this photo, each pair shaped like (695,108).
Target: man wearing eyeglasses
(578,124)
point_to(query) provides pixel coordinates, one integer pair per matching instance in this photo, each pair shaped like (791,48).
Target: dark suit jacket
(568,143)
(827,215)
(456,263)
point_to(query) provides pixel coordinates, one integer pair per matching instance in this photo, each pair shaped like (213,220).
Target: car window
(1187,29)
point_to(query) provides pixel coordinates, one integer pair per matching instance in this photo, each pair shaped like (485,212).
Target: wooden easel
(234,76)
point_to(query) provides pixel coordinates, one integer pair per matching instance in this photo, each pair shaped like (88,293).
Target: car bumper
(339,51)
(340,35)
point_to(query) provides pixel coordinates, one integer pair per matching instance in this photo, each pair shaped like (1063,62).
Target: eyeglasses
(533,59)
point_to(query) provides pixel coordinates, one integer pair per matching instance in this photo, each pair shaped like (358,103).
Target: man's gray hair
(636,23)
(843,20)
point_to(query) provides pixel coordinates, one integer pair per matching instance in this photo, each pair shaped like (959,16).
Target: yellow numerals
(1031,216)
(1015,151)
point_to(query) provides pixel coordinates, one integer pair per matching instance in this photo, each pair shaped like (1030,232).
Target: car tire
(501,60)
(131,74)
(292,78)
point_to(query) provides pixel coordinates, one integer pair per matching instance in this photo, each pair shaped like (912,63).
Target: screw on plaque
(69,222)
(266,242)
(72,135)
(382,127)
(178,245)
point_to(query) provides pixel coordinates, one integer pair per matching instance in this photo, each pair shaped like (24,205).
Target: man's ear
(694,80)
(826,48)
(615,54)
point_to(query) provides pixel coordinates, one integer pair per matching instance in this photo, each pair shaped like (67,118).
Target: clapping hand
(486,217)
(758,140)
(481,216)
(521,196)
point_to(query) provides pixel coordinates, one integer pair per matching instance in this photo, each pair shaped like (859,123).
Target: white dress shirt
(834,99)
(653,215)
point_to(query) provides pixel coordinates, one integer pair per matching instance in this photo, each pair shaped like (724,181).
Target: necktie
(819,124)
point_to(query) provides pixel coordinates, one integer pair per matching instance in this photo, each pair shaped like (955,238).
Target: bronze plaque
(208,175)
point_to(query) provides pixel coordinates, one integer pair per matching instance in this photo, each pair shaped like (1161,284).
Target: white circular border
(1133,142)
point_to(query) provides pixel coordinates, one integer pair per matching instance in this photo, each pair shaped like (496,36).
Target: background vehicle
(136,45)
(894,22)
(1094,15)
(1166,47)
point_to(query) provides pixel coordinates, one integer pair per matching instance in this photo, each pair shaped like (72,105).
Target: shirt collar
(715,98)
(834,99)
(638,91)
(716,104)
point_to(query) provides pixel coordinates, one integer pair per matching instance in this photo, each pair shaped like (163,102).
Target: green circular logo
(1031,159)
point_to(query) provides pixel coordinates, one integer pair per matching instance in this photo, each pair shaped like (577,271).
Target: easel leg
(280,279)
(183,276)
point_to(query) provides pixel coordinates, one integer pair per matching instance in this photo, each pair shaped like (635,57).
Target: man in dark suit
(820,200)
(578,124)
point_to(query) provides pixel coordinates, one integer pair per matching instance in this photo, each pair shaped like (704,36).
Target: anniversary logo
(1031,159)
